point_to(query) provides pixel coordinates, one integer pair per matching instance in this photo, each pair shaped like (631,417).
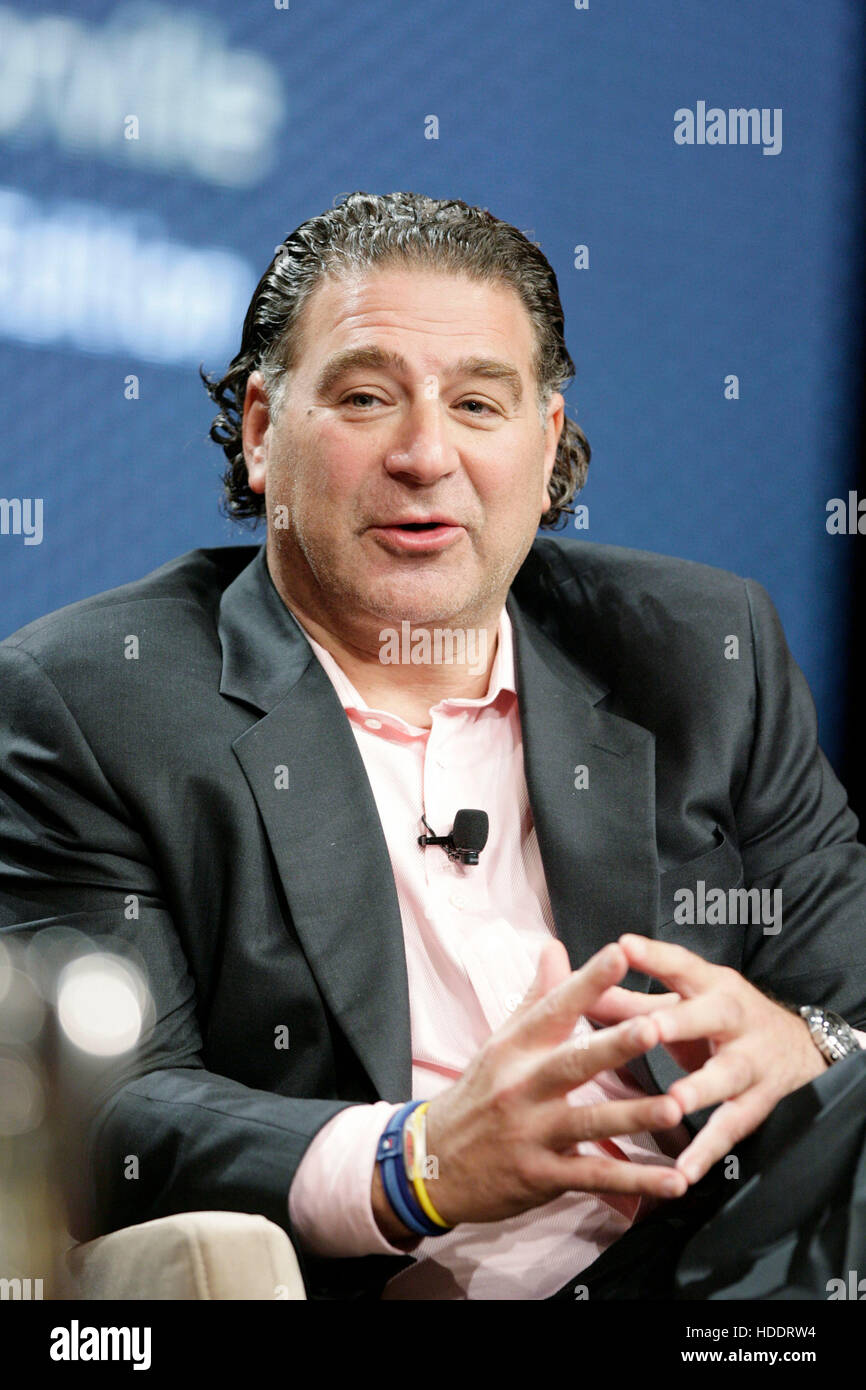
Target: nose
(420,448)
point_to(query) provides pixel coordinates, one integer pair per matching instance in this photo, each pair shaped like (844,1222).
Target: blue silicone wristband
(389,1156)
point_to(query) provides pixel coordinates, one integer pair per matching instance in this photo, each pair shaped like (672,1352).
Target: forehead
(434,314)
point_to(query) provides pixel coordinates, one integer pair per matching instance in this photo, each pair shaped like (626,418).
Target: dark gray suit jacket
(261,905)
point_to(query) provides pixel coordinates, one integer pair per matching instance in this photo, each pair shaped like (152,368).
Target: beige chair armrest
(196,1254)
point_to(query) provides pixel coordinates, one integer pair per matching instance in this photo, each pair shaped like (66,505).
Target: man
(257,777)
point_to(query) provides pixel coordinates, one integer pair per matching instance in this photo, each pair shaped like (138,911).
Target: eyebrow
(491,367)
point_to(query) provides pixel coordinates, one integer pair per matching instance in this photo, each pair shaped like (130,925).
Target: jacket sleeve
(798,835)
(70,857)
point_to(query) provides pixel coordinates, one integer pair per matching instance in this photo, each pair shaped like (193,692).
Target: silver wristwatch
(832,1036)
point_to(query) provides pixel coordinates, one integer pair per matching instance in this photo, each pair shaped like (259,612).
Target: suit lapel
(598,842)
(312,791)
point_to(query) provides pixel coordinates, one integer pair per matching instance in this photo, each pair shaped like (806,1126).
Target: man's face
(407,468)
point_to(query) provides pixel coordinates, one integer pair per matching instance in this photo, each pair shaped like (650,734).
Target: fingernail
(690,1172)
(671,1187)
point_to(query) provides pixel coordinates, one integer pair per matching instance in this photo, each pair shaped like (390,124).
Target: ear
(255,431)
(552,431)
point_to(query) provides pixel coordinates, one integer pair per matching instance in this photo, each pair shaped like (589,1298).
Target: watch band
(833,1037)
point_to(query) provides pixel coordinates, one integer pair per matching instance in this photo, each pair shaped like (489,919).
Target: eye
(358,396)
(483,404)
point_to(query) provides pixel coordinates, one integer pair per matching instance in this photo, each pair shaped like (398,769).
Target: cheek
(511,484)
(318,463)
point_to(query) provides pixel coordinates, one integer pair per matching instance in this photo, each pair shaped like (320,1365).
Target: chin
(436,604)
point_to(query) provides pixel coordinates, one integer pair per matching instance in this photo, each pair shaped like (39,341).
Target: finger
(586,1173)
(580,1124)
(617,1003)
(568,1066)
(716,1015)
(676,967)
(551,1019)
(723,1131)
(554,967)
(729,1073)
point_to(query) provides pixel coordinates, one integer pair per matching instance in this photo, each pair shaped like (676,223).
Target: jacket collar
(264,650)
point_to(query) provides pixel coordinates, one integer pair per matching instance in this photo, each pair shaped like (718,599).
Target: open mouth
(415,537)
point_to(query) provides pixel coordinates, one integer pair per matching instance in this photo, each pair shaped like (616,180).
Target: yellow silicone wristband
(416,1119)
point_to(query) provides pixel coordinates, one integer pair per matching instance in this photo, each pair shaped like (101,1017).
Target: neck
(406,668)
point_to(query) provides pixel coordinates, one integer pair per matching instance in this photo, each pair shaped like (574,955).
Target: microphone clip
(466,840)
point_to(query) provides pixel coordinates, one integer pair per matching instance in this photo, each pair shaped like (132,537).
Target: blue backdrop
(152,157)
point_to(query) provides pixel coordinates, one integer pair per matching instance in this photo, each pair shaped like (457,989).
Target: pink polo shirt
(472,935)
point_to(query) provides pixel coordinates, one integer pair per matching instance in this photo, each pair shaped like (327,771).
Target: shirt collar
(502,676)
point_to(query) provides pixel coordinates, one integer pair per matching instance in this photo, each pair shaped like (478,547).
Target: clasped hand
(508,1138)
(739,1047)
